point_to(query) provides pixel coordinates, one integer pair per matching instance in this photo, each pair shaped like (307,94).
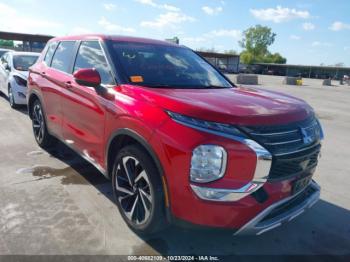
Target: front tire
(138,190)
(12,98)
(42,136)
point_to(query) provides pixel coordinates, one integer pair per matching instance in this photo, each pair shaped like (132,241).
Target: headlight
(20,81)
(207,126)
(208,163)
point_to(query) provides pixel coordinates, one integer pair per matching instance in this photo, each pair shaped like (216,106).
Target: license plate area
(301,184)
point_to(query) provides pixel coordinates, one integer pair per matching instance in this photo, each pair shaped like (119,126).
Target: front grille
(286,138)
(295,147)
(295,164)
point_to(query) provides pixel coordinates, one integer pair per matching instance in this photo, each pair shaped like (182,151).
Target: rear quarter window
(63,56)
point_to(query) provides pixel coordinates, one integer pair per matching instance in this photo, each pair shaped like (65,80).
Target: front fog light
(208,163)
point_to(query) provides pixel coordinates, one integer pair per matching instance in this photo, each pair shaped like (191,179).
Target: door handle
(68,84)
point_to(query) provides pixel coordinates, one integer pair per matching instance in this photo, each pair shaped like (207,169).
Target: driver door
(84,111)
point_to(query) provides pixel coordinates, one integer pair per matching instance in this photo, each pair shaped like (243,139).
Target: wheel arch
(124,137)
(32,98)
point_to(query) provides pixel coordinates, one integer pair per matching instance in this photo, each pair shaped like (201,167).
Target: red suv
(179,141)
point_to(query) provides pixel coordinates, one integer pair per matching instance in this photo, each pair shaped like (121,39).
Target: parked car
(180,142)
(13,75)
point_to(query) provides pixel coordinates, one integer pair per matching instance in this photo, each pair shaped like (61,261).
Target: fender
(138,138)
(37,94)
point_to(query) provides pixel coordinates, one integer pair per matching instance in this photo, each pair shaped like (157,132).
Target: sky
(308,32)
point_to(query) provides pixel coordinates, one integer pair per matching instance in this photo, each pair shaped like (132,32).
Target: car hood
(239,106)
(23,74)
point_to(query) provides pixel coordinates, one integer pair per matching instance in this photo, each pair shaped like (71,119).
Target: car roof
(114,38)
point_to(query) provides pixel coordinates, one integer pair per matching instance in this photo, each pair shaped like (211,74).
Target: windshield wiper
(152,85)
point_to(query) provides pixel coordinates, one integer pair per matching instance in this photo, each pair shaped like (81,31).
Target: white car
(14,68)
(3,51)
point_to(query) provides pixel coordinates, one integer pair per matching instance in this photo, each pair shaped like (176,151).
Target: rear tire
(138,190)
(12,98)
(41,135)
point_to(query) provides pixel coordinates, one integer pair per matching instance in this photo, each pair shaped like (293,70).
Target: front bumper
(231,202)
(20,97)
(19,93)
(282,211)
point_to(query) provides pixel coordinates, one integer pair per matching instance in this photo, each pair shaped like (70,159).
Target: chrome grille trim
(274,134)
(285,132)
(283,143)
(296,151)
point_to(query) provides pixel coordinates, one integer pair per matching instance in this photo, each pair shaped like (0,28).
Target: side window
(63,56)
(90,55)
(49,53)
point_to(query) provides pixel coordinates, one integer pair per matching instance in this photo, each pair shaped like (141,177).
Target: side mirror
(87,77)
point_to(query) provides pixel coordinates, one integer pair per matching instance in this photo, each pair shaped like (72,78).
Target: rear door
(56,72)
(84,111)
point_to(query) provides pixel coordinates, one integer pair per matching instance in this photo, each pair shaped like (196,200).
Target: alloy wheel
(134,192)
(38,123)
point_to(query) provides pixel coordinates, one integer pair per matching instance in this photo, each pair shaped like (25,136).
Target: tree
(256,41)
(274,58)
(247,57)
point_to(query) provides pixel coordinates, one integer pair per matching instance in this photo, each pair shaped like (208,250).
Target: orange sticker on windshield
(136,79)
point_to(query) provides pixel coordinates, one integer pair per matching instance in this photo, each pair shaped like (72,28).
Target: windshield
(23,62)
(164,66)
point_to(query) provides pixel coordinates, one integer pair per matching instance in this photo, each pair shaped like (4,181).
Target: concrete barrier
(247,79)
(289,80)
(327,82)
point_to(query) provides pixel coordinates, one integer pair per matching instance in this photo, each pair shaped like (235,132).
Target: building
(307,71)
(25,42)
(225,62)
